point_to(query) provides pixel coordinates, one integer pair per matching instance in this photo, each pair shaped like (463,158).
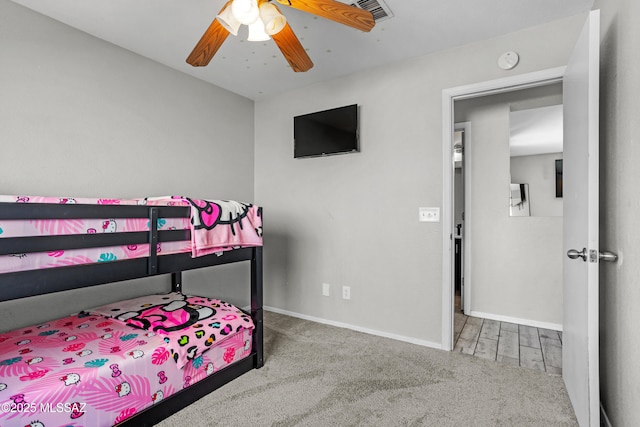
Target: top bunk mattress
(215,226)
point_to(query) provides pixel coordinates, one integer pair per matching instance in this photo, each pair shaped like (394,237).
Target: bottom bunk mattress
(104,365)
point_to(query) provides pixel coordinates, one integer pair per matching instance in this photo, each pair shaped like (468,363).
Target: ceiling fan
(265,21)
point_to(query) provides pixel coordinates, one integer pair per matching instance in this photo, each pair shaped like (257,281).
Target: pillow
(190,325)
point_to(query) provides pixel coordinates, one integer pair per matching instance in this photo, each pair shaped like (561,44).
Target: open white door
(580,359)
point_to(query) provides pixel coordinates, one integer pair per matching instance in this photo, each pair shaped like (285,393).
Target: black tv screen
(326,132)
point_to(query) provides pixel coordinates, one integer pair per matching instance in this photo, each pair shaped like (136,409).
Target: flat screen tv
(326,132)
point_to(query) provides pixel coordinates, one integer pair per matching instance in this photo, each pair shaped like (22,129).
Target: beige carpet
(318,375)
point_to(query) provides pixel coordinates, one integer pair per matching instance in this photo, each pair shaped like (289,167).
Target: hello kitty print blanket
(95,370)
(216,226)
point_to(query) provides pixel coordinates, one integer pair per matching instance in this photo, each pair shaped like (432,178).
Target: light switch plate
(429,214)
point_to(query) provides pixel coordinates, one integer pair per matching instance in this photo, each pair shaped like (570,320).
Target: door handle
(602,256)
(574,254)
(607,256)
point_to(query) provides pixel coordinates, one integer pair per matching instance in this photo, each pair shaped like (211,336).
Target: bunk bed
(113,336)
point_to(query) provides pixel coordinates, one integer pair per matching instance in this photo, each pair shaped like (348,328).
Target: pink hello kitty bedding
(215,225)
(102,366)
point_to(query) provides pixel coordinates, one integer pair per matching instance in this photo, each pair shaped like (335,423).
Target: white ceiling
(536,131)
(167,30)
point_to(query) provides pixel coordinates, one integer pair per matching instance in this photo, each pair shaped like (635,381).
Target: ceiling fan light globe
(245,11)
(257,32)
(229,21)
(273,20)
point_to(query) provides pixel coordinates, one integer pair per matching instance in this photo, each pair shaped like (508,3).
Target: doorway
(508,305)
(473,93)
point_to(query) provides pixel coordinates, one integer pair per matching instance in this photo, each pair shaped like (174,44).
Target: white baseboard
(526,322)
(423,343)
(604,419)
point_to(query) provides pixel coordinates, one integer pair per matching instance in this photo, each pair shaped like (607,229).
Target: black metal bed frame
(37,282)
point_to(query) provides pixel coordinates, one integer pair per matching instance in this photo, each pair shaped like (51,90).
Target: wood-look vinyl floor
(509,343)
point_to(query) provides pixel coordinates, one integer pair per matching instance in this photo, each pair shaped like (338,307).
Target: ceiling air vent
(378,9)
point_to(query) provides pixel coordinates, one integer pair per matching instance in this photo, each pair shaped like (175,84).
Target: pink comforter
(92,370)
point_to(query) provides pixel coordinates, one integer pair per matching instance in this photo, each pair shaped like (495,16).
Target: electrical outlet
(326,289)
(346,292)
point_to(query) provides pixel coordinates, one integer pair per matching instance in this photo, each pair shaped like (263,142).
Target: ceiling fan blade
(334,10)
(292,50)
(209,44)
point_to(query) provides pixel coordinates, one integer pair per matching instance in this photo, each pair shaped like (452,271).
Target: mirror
(535,146)
(519,200)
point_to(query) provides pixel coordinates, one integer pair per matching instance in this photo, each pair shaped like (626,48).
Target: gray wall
(619,196)
(353,219)
(82,117)
(516,262)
